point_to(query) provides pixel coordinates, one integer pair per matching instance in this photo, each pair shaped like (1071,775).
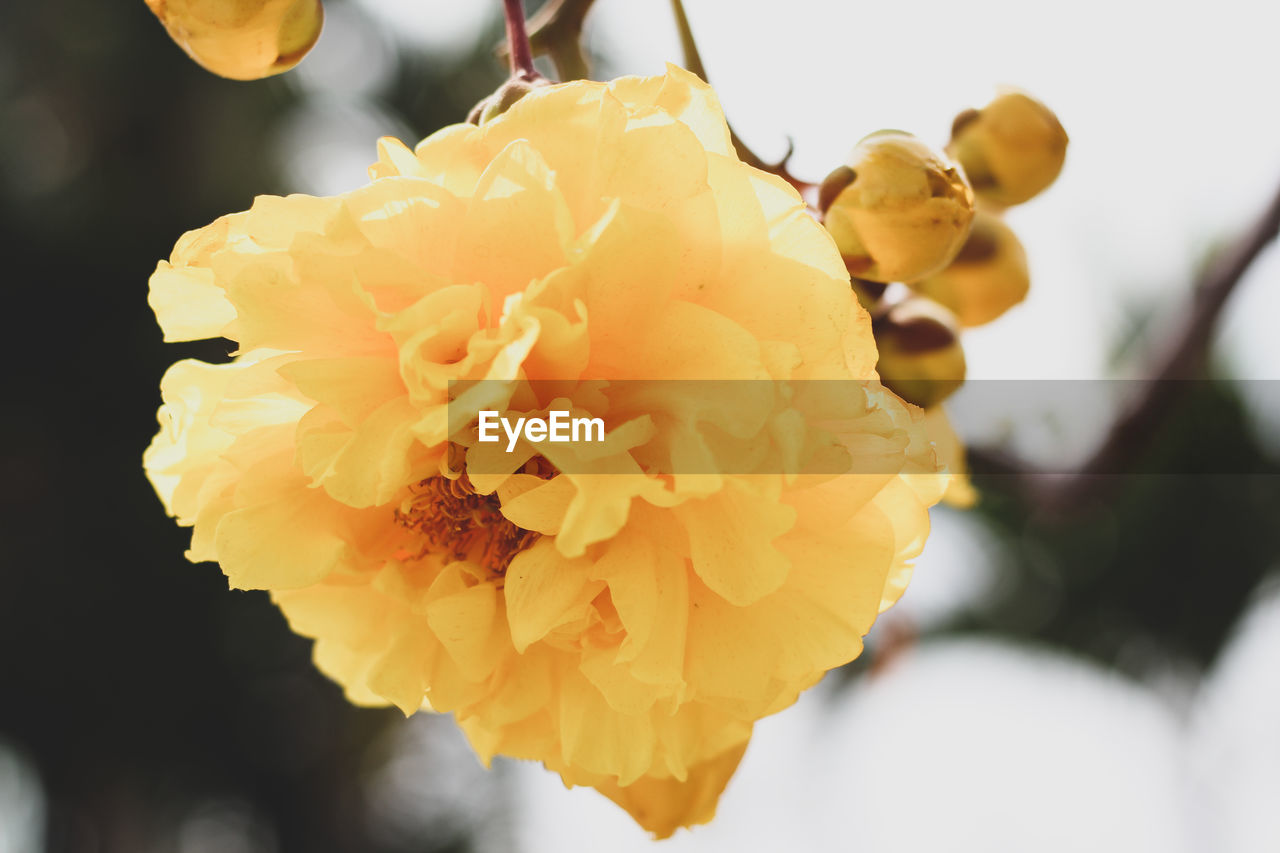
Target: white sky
(1170,108)
(1175,146)
(977,746)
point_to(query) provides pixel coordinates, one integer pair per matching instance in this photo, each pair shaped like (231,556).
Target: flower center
(456,521)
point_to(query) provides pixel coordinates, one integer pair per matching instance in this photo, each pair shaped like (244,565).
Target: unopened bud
(921,359)
(898,211)
(504,99)
(1011,149)
(242,39)
(987,278)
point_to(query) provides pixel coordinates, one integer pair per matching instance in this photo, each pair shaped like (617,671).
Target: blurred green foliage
(1158,568)
(135,681)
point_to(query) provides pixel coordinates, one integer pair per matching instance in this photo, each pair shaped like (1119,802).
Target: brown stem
(1181,360)
(693,62)
(518,40)
(556,31)
(688,45)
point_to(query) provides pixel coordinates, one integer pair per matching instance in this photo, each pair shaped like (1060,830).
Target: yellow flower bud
(920,355)
(242,39)
(987,278)
(1011,150)
(898,210)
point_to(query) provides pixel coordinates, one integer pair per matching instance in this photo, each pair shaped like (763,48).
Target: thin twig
(556,31)
(693,62)
(688,45)
(1182,359)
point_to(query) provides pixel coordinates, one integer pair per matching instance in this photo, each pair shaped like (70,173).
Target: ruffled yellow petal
(545,591)
(951,453)
(358,443)
(685,97)
(291,537)
(188,304)
(663,804)
(187,446)
(518,227)
(731,541)
(651,607)
(468,621)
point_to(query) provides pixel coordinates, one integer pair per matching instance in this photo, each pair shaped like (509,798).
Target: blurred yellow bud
(898,210)
(920,355)
(242,39)
(1011,149)
(987,278)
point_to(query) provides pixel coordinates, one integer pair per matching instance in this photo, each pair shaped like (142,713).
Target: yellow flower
(622,626)
(242,39)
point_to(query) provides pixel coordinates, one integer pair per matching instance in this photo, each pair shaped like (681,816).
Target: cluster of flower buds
(902,212)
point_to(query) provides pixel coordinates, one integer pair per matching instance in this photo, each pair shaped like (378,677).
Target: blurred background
(1104,681)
